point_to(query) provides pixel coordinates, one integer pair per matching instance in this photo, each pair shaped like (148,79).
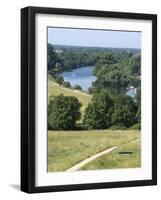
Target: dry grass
(67,148)
(83,97)
(116,160)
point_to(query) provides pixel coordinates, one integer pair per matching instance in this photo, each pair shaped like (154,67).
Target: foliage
(77,87)
(138,114)
(135,63)
(84,98)
(98,113)
(58,67)
(52,57)
(90,90)
(66,84)
(117,71)
(124,113)
(138,95)
(113,67)
(59,80)
(138,100)
(118,127)
(136,126)
(63,112)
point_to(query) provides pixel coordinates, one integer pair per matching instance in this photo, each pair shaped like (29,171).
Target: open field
(83,97)
(67,148)
(116,160)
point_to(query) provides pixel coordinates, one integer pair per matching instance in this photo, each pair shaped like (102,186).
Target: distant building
(58,51)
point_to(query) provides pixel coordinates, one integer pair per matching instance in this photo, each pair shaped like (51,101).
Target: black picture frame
(28,98)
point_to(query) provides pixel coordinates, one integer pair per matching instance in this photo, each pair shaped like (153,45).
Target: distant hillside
(83,97)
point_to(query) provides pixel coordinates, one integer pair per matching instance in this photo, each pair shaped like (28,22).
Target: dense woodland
(115,69)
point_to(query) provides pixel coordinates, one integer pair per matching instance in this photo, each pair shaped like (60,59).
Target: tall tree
(124,113)
(98,113)
(63,112)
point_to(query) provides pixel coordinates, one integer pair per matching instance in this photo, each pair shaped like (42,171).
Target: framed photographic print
(88,99)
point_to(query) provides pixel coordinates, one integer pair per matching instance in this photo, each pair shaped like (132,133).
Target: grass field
(67,148)
(117,160)
(83,97)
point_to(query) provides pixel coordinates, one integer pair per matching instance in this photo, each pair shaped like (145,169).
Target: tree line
(102,112)
(117,72)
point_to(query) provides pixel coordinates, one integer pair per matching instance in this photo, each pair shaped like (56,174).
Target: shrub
(118,127)
(59,80)
(136,127)
(77,87)
(66,84)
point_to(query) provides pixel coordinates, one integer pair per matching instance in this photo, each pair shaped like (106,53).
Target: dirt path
(90,159)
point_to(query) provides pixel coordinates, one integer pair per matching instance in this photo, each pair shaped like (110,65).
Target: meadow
(118,158)
(67,148)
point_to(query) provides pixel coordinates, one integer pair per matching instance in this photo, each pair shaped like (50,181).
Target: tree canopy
(63,112)
(124,112)
(98,113)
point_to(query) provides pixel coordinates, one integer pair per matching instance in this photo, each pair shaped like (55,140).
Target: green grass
(50,78)
(67,148)
(83,97)
(115,160)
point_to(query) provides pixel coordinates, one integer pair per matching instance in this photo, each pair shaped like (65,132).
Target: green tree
(98,112)
(124,113)
(66,84)
(90,90)
(52,57)
(135,63)
(138,95)
(77,87)
(59,80)
(138,100)
(58,68)
(63,112)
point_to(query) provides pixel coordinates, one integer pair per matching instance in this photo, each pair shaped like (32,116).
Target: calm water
(83,76)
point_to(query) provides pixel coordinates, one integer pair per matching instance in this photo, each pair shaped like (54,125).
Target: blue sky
(98,38)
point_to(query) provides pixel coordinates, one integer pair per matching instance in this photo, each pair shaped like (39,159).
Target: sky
(97,38)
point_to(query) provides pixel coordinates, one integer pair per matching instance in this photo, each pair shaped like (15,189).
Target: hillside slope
(83,97)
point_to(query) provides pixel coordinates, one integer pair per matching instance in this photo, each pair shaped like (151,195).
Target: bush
(136,127)
(59,80)
(63,112)
(124,111)
(118,127)
(98,112)
(66,84)
(77,87)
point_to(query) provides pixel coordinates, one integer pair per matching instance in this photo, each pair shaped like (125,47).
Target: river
(83,76)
